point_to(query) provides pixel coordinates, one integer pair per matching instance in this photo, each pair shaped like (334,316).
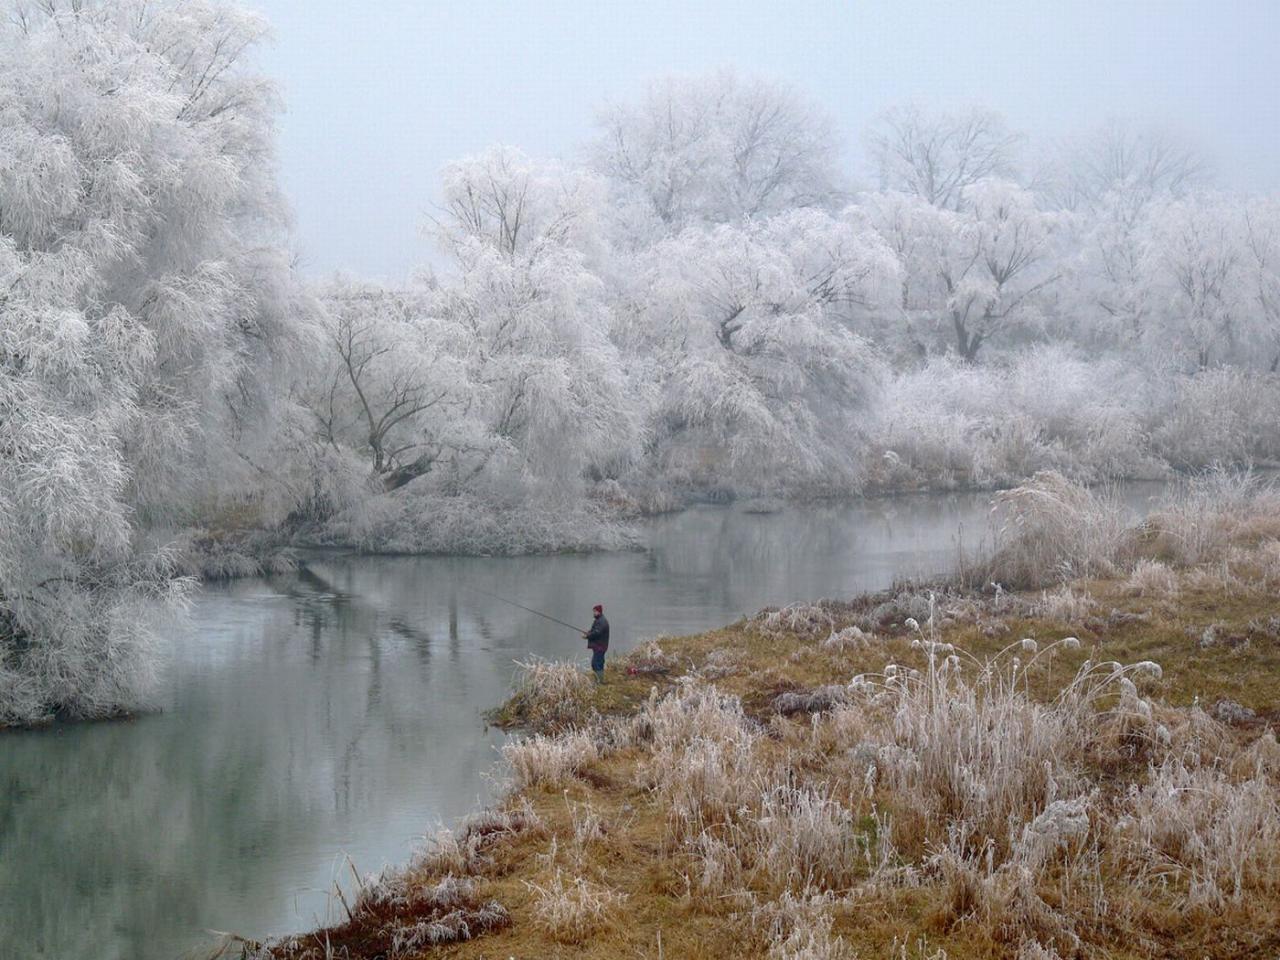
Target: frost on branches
(761,378)
(141,297)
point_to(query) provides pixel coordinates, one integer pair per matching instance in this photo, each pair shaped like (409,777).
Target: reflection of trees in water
(792,553)
(117,838)
(130,839)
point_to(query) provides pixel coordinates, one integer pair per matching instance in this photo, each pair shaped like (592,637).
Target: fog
(504,280)
(498,280)
(381,96)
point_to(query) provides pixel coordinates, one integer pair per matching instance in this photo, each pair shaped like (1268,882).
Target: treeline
(704,304)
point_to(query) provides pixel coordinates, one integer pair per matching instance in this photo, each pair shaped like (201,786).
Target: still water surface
(337,711)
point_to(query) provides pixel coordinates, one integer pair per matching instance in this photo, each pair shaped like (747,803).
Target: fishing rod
(537,613)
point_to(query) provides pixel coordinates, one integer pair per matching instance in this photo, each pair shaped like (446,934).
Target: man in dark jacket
(598,641)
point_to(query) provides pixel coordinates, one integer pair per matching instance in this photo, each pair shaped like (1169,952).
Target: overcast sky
(380,95)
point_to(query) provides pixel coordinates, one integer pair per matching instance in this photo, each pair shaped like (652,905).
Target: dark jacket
(598,635)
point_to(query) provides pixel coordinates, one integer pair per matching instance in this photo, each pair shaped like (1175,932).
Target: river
(338,712)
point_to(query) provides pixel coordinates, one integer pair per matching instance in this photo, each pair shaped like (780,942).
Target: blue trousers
(597,661)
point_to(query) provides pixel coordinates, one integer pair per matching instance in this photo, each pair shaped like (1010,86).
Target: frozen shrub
(397,915)
(1217,416)
(949,424)
(808,620)
(1212,512)
(720,867)
(721,662)
(1065,604)
(850,638)
(810,701)
(1034,950)
(1061,822)
(1262,759)
(463,851)
(907,605)
(448,893)
(981,753)
(1231,712)
(650,659)
(810,939)
(1151,578)
(423,519)
(1006,897)
(704,782)
(1221,836)
(691,710)
(408,940)
(804,840)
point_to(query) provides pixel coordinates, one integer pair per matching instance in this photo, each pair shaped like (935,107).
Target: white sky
(380,95)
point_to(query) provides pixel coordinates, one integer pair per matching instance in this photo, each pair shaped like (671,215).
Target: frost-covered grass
(1055,529)
(549,696)
(1071,771)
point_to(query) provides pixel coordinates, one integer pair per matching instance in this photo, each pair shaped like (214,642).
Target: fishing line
(537,613)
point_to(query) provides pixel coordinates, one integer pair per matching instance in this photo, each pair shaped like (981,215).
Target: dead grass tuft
(548,697)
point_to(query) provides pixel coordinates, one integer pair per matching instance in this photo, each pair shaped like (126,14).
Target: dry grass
(545,760)
(549,697)
(921,774)
(1054,531)
(573,910)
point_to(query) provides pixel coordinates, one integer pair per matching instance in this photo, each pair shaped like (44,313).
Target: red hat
(597,609)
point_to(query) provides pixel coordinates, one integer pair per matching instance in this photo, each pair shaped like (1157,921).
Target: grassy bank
(1068,752)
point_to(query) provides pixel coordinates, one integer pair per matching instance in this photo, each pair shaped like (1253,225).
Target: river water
(337,712)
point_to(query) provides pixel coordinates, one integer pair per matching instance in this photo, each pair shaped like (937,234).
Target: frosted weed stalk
(572,910)
(542,760)
(1056,530)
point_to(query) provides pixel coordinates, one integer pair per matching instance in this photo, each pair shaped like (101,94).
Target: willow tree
(142,293)
(716,148)
(549,384)
(762,379)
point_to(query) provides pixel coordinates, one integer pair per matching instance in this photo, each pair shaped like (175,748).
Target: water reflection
(338,711)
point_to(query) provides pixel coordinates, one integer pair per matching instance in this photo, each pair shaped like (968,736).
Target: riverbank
(1080,769)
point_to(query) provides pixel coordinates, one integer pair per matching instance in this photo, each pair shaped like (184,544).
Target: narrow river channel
(337,712)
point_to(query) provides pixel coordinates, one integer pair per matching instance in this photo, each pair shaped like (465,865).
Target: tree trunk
(967,344)
(400,476)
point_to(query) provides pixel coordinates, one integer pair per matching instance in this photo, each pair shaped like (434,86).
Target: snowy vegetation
(1003,773)
(705,304)
(143,303)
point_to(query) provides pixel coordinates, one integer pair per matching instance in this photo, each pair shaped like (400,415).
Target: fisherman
(598,641)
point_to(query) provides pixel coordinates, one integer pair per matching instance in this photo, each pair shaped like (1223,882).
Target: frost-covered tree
(714,149)
(973,274)
(392,380)
(939,156)
(142,296)
(548,381)
(1193,274)
(1111,180)
(762,378)
(1262,268)
(1139,161)
(918,233)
